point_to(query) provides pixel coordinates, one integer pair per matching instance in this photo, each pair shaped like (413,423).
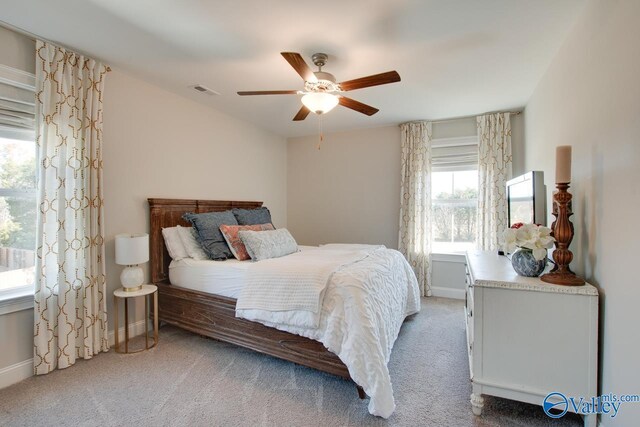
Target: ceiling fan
(321,92)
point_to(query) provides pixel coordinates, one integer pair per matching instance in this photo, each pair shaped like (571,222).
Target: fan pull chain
(320,131)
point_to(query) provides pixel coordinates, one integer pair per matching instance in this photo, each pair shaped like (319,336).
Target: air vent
(204,89)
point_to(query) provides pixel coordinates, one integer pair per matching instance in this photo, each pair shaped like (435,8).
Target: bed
(214,315)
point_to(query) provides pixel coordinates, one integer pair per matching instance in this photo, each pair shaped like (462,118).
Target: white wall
(17,51)
(589,98)
(517,147)
(454,128)
(346,192)
(157,144)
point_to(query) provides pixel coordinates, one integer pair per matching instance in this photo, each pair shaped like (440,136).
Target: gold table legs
(118,347)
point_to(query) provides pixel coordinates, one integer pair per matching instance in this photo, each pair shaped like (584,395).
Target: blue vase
(526,265)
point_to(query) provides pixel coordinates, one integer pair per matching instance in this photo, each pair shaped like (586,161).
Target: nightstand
(146,292)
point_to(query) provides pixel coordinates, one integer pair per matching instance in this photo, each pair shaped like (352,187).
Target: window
(454,209)
(454,194)
(17,213)
(17,183)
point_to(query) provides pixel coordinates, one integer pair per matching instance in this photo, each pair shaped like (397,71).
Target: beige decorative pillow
(230,233)
(268,244)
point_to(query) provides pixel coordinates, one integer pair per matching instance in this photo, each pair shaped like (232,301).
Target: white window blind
(454,154)
(17,103)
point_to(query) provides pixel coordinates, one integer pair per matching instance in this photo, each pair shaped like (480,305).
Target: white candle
(563,164)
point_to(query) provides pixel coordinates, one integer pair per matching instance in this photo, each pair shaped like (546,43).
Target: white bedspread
(365,302)
(297,284)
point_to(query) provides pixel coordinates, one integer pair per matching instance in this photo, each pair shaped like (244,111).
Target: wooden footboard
(214,316)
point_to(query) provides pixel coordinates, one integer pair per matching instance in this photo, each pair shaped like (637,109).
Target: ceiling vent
(204,89)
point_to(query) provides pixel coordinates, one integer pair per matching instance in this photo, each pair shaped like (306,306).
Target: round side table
(145,292)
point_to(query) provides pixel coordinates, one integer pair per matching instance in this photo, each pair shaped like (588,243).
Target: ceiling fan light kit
(320,102)
(321,92)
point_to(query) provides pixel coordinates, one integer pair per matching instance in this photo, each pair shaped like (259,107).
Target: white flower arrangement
(536,238)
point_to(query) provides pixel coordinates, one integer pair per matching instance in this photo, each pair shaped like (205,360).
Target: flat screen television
(527,199)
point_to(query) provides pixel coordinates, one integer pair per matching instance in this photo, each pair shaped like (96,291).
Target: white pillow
(173,243)
(191,245)
(268,244)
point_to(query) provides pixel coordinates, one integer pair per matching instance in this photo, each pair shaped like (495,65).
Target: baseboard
(16,373)
(443,292)
(23,370)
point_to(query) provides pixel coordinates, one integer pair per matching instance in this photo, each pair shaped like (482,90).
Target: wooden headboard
(168,213)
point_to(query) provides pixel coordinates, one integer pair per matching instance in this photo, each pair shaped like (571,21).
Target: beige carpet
(193,381)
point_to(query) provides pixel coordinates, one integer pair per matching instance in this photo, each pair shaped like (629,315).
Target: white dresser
(527,338)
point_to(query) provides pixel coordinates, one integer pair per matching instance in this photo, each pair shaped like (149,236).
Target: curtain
(494,170)
(70,296)
(415,203)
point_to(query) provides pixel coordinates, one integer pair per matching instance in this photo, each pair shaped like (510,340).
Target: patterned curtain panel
(494,170)
(70,296)
(415,205)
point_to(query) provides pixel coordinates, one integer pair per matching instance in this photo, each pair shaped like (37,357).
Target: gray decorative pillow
(268,244)
(252,216)
(207,226)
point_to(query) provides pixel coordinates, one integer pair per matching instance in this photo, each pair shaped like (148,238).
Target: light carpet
(189,380)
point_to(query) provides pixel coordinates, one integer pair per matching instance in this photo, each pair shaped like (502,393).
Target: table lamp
(131,250)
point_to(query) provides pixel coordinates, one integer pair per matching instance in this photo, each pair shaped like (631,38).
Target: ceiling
(455,57)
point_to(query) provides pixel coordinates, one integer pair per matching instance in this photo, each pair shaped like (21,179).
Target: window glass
(454,210)
(17,213)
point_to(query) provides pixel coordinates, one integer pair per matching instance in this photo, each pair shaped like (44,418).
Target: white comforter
(362,307)
(291,293)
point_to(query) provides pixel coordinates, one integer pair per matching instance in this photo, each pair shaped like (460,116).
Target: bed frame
(214,315)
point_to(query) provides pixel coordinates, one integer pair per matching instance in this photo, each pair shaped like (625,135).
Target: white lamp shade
(132,249)
(320,102)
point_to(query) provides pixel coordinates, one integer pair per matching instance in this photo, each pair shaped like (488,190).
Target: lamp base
(562,278)
(132,278)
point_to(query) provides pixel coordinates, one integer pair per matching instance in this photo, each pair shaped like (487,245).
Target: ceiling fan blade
(269,92)
(375,80)
(357,106)
(301,67)
(302,114)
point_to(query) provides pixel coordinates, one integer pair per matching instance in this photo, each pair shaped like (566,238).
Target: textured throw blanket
(298,283)
(362,310)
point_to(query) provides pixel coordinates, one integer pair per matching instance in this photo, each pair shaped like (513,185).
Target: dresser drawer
(469,300)
(469,293)
(468,311)
(469,319)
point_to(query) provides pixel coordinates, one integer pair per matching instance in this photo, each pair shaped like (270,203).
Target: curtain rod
(36,37)
(513,113)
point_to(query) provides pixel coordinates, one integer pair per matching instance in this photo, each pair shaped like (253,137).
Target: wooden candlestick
(562,231)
